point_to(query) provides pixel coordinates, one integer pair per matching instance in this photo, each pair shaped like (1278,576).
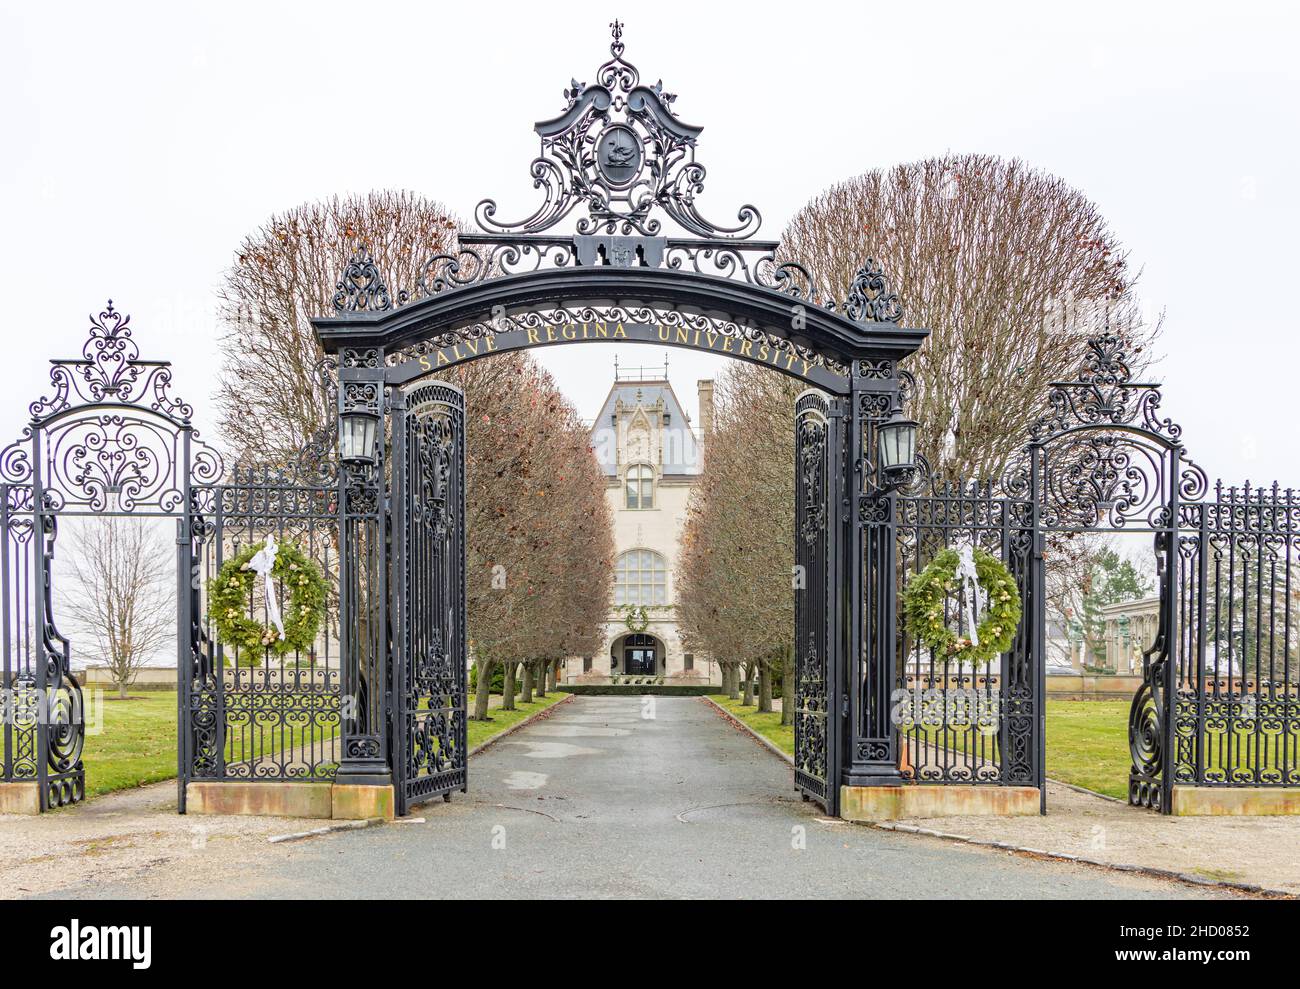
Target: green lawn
(137,743)
(481,731)
(1087,745)
(1087,741)
(767,725)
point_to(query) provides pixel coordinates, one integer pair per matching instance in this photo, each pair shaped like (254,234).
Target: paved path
(621,797)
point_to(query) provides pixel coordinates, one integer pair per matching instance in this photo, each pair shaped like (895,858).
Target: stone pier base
(894,803)
(1236,801)
(273,799)
(360,803)
(20,798)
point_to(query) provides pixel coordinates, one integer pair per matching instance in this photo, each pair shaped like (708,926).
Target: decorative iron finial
(620,151)
(361,288)
(870,298)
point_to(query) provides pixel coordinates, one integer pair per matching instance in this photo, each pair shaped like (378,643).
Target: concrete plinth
(894,803)
(282,799)
(360,803)
(1204,801)
(260,799)
(20,798)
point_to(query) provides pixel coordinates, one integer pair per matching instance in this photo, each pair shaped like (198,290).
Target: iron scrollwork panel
(429,676)
(816,741)
(64,727)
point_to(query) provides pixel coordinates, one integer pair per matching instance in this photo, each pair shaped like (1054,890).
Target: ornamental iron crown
(621,151)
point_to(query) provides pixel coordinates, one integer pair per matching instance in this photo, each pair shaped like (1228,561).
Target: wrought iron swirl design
(620,151)
(1106,456)
(112,437)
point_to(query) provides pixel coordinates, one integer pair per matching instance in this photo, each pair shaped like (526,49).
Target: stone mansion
(651,457)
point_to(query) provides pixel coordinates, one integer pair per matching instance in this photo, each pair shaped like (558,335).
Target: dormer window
(640,487)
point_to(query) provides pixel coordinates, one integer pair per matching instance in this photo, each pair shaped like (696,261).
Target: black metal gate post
(871,570)
(363,597)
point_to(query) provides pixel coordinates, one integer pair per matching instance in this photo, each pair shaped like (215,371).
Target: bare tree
(1009,268)
(271,399)
(122,595)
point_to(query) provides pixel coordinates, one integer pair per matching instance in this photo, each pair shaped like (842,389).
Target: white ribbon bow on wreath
(261,563)
(973,595)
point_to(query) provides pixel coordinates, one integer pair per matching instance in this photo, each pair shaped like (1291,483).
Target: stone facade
(651,456)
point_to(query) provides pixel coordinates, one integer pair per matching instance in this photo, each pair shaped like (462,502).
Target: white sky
(142,141)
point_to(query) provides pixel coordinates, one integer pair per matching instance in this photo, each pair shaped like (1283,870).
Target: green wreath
(637,619)
(923,608)
(229,595)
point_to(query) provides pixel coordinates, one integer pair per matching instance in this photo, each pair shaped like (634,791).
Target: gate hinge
(844,705)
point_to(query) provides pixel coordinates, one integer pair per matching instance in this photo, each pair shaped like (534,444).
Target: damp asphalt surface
(632,797)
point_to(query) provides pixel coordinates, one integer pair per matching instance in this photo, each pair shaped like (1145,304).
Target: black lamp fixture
(896,447)
(358,430)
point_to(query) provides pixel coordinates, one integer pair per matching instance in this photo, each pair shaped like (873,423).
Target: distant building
(651,456)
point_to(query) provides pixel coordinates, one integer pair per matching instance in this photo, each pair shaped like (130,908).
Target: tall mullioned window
(640,487)
(640,578)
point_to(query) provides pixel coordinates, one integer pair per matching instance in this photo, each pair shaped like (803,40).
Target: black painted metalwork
(109,441)
(818,639)
(252,715)
(429,744)
(957,722)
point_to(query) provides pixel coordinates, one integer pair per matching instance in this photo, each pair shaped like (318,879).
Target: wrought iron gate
(110,442)
(819,455)
(428,688)
(959,723)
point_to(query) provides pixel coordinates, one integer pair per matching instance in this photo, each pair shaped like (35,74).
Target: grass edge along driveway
(136,743)
(1087,741)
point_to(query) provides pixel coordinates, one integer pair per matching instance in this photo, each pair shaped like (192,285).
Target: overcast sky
(142,141)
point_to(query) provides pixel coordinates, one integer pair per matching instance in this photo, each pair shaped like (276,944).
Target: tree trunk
(508,691)
(765,688)
(541,677)
(484,689)
(733,688)
(747,670)
(526,692)
(121,690)
(787,688)
(552,673)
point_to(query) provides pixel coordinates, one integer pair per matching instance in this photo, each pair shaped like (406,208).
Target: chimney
(706,406)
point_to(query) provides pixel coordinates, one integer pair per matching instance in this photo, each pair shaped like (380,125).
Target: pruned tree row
(734,592)
(539,534)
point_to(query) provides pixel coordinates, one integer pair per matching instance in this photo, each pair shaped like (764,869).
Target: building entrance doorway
(639,655)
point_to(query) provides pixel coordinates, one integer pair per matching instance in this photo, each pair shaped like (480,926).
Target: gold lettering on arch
(693,337)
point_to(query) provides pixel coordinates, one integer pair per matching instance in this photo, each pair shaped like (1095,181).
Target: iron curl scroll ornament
(1108,457)
(620,150)
(112,432)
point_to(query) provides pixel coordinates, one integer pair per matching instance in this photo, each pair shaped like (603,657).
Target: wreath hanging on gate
(985,584)
(231,591)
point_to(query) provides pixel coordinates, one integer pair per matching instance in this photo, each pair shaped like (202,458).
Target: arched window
(640,578)
(640,487)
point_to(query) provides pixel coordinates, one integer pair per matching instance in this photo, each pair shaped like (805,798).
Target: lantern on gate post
(358,430)
(895,449)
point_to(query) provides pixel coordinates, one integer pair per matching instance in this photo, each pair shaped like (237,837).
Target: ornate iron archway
(621,163)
